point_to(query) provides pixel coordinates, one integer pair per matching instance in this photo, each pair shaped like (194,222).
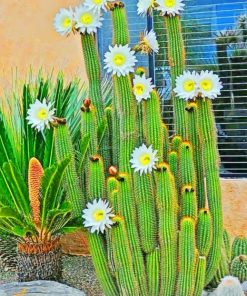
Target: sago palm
(36,214)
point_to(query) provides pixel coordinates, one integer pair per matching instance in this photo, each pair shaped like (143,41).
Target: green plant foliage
(18,141)
(16,216)
(164,241)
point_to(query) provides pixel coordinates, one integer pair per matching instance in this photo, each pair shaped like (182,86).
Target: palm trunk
(8,253)
(39,261)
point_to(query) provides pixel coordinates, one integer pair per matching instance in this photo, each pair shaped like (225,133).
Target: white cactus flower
(96,4)
(186,85)
(40,114)
(87,20)
(142,87)
(145,6)
(98,216)
(120,60)
(64,21)
(209,84)
(143,159)
(170,7)
(148,42)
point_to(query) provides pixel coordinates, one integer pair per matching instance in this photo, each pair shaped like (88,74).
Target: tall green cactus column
(203,241)
(96,189)
(89,129)
(93,69)
(128,211)
(167,209)
(153,126)
(213,189)
(126,102)
(196,141)
(176,60)
(64,148)
(187,257)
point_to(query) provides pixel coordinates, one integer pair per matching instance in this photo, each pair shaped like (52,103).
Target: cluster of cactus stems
(168,230)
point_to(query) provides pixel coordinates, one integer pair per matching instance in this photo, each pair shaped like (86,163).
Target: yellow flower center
(97,1)
(42,114)
(145,159)
(86,19)
(119,59)
(67,22)
(170,3)
(99,215)
(139,89)
(206,85)
(146,41)
(189,85)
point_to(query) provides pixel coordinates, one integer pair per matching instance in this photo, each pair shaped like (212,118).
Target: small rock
(244,286)
(38,288)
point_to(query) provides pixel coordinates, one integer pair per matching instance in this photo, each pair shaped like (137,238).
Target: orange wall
(27,39)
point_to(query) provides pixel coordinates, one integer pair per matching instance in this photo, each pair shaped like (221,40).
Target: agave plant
(36,214)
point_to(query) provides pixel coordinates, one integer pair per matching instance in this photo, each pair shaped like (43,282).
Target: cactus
(123,261)
(239,246)
(204,232)
(227,243)
(200,275)
(194,137)
(164,240)
(176,58)
(167,208)
(239,268)
(187,255)
(64,148)
(211,163)
(153,272)
(153,129)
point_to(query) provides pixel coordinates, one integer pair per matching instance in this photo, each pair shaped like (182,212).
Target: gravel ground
(78,272)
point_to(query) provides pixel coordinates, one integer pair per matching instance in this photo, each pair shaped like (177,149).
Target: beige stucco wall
(28,39)
(234,193)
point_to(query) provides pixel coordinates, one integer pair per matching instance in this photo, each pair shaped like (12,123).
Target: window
(215,34)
